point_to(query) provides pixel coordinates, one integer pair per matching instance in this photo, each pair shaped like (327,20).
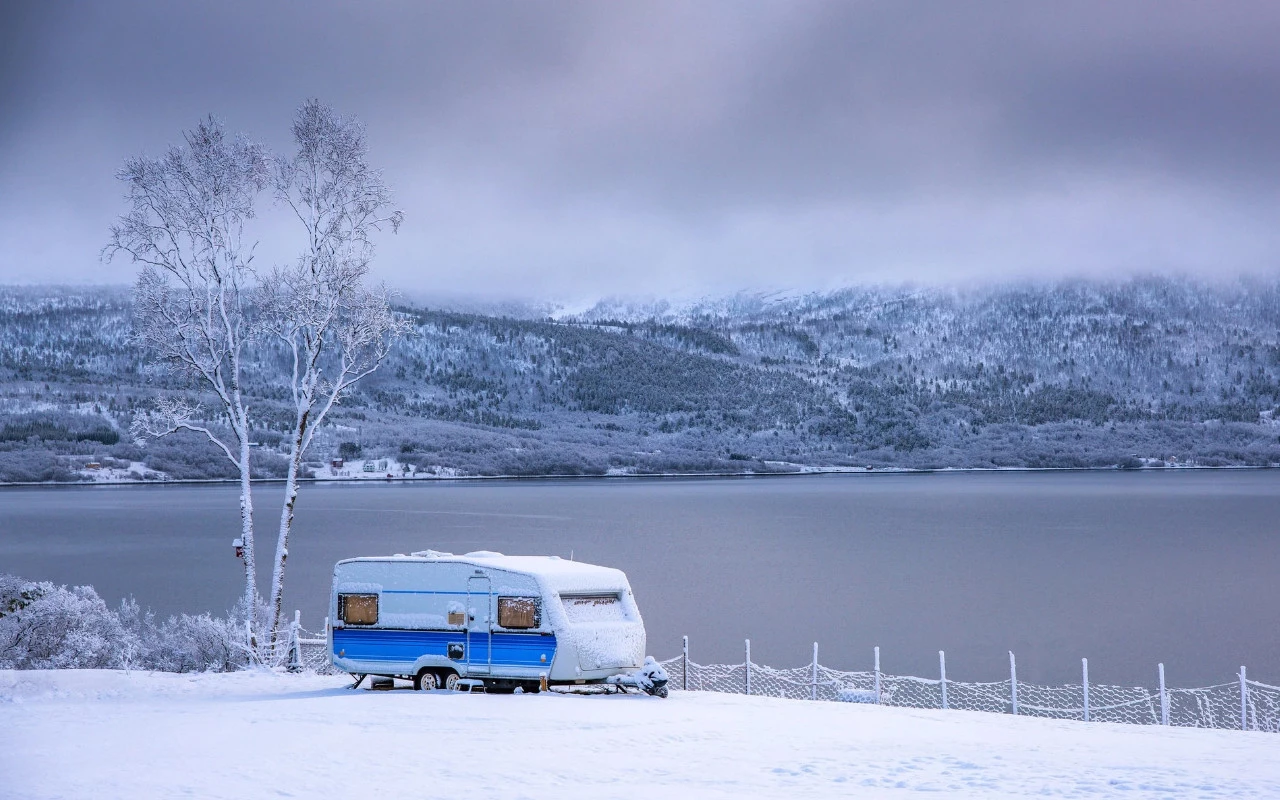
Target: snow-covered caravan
(509,621)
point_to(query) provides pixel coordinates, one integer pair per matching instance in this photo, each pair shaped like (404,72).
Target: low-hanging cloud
(556,150)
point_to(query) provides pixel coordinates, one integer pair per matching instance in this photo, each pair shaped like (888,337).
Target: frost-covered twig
(185,226)
(168,416)
(334,331)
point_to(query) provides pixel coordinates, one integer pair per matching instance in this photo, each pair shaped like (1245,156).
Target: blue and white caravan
(506,621)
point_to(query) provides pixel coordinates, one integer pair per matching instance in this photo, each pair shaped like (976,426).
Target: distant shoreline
(641,475)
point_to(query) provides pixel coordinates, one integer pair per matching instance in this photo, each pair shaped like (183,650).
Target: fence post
(942,669)
(813,690)
(1013,682)
(878,701)
(1164,699)
(1244,701)
(295,647)
(1084,664)
(685,680)
(748,666)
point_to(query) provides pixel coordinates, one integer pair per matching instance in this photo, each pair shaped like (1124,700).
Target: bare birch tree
(185,227)
(334,330)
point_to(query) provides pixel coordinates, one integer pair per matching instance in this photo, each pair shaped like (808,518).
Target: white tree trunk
(246,536)
(296,451)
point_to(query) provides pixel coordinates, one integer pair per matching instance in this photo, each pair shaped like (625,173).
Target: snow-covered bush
(186,643)
(44,626)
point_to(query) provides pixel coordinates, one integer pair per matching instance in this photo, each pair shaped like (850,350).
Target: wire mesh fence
(312,655)
(1242,704)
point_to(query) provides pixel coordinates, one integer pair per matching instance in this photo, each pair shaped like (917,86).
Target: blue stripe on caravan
(515,649)
(382,644)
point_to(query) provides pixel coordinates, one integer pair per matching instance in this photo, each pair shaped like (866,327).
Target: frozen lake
(1126,568)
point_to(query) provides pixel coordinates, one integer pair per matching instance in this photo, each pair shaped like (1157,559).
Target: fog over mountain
(569,151)
(862,234)
(1144,372)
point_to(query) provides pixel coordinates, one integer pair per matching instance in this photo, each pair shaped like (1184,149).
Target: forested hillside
(1078,374)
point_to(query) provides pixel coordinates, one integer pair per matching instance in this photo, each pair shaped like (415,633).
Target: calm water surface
(1127,569)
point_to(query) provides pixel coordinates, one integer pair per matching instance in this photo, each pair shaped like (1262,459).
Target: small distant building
(336,463)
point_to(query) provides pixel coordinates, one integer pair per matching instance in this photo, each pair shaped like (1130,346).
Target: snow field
(111,734)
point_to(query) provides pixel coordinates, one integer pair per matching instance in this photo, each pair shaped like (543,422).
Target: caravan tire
(425,681)
(451,681)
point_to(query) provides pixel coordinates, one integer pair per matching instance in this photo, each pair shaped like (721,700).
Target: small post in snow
(1013,682)
(813,689)
(748,666)
(878,676)
(1084,664)
(1244,701)
(942,670)
(685,679)
(1164,698)
(295,649)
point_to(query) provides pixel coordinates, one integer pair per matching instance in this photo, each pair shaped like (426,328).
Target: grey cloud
(560,148)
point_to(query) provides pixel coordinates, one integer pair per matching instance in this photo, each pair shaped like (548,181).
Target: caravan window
(593,607)
(519,612)
(358,609)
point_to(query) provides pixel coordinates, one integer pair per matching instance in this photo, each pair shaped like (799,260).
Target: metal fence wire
(1242,704)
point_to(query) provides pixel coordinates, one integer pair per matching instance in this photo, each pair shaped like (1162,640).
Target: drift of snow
(110,734)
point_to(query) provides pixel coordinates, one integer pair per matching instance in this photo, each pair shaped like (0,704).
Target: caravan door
(479,629)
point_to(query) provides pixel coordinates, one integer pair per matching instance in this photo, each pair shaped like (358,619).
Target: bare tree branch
(335,331)
(185,226)
(168,416)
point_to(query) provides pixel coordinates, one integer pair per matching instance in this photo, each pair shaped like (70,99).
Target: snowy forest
(1138,373)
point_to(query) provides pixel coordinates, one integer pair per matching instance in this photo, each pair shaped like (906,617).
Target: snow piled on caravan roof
(552,572)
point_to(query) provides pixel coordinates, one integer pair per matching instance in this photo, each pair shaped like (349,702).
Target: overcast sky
(566,151)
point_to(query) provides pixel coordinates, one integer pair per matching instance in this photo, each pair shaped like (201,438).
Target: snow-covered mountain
(1075,373)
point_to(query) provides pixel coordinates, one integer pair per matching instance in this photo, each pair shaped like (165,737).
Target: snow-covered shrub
(185,643)
(16,594)
(43,626)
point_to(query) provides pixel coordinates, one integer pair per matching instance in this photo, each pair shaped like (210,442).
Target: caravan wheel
(425,681)
(451,681)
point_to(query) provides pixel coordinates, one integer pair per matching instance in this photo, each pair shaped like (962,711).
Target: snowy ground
(105,734)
